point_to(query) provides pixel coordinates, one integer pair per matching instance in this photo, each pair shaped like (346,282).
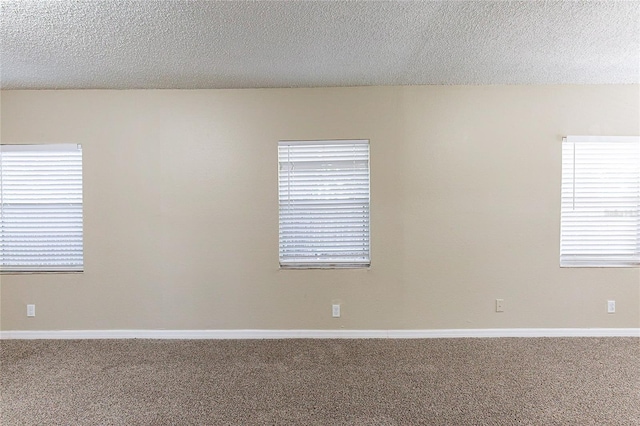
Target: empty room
(319,212)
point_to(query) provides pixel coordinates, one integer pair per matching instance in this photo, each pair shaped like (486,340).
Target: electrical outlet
(611,306)
(31,310)
(499,305)
(335,311)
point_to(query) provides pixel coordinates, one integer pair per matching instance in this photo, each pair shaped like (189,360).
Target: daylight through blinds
(323,191)
(600,201)
(41,208)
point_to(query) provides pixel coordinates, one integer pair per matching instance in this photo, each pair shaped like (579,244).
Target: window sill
(307,266)
(39,272)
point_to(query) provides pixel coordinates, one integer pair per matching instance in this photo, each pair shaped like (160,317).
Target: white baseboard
(321,334)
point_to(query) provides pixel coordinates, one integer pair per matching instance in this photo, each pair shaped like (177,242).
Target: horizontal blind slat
(600,202)
(41,217)
(324,203)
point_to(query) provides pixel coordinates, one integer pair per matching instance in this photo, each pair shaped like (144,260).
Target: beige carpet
(537,381)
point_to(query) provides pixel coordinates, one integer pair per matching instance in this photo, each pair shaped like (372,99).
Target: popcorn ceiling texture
(199,44)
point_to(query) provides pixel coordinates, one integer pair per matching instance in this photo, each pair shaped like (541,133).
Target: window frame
(287,262)
(44,199)
(579,231)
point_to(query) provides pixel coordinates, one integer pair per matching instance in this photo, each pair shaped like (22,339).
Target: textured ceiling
(200,44)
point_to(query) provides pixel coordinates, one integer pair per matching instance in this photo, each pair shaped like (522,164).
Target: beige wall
(181,215)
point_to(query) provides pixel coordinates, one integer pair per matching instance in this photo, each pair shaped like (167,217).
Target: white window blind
(600,223)
(323,191)
(41,208)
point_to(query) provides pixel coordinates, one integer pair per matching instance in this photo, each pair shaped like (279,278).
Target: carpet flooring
(511,381)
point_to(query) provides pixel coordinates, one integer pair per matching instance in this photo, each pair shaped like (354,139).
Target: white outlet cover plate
(335,311)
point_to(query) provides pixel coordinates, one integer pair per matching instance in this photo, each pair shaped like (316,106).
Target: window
(41,208)
(600,223)
(323,189)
